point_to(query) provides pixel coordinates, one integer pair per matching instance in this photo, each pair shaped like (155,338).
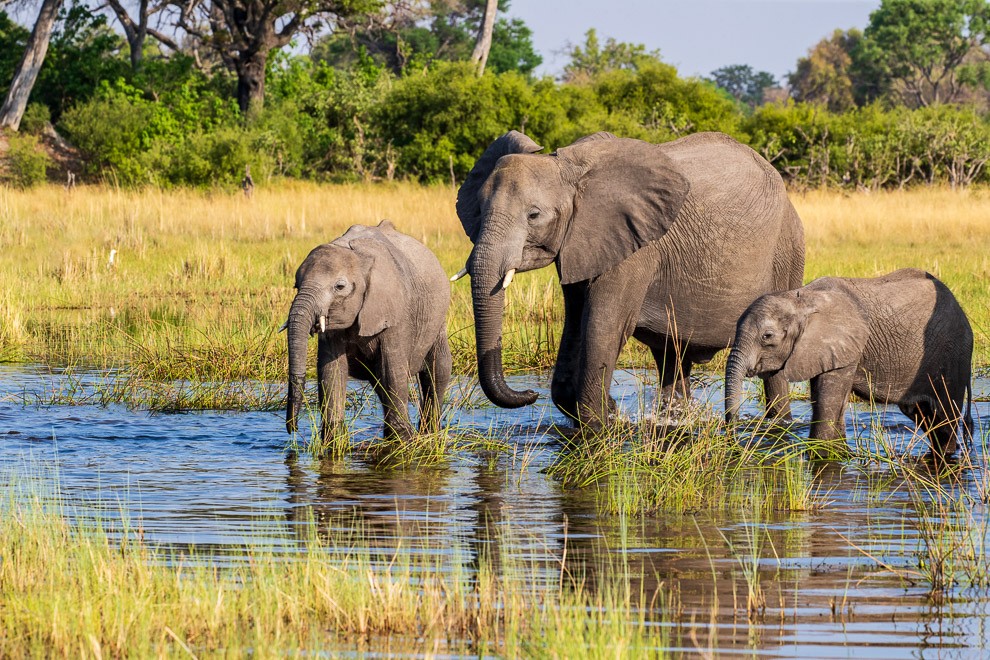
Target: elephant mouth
(763,372)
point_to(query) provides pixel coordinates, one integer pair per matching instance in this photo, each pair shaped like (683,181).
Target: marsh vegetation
(127,531)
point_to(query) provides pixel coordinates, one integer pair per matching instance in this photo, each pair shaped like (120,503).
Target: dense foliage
(401,102)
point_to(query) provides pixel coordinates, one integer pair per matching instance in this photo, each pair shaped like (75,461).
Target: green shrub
(36,117)
(27,161)
(872,147)
(112,131)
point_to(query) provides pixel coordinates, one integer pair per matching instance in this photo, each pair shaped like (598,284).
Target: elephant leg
(563,386)
(392,388)
(937,423)
(610,316)
(674,367)
(829,394)
(331,367)
(434,378)
(776,397)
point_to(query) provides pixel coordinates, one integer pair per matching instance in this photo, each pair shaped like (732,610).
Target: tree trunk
(27,71)
(251,80)
(484,42)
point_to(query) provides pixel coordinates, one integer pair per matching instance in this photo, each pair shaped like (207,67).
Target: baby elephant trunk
(735,370)
(301,320)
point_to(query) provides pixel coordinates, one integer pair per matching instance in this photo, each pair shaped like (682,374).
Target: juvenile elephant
(665,243)
(901,338)
(377,300)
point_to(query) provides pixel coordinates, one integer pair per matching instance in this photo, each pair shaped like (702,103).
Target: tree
(30,65)
(591,59)
(245,32)
(136,31)
(923,44)
(512,48)
(743,83)
(415,34)
(483,43)
(824,75)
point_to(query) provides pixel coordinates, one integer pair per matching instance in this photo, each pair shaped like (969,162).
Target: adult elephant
(666,243)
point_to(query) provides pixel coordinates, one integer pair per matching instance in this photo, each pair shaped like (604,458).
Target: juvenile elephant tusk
(323,324)
(508,278)
(284,326)
(461,273)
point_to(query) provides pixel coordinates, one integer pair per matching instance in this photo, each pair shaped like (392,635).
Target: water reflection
(216,480)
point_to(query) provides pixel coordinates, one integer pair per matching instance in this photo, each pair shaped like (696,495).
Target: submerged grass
(89,589)
(199,281)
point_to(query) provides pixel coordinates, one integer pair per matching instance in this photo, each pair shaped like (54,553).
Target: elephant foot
(567,407)
(676,411)
(397,434)
(334,441)
(829,447)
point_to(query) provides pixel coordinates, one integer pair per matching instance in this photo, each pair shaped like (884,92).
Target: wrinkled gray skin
(385,298)
(665,243)
(900,339)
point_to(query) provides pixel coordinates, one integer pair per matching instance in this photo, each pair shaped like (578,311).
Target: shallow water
(217,480)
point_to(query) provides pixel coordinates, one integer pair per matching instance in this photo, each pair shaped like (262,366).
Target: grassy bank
(199,282)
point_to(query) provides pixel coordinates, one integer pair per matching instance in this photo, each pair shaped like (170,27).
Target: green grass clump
(637,469)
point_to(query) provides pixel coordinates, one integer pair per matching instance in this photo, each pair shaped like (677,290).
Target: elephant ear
(628,194)
(468,204)
(381,308)
(832,334)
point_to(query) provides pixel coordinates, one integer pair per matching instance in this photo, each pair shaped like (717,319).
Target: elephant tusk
(323,324)
(461,273)
(508,278)
(284,326)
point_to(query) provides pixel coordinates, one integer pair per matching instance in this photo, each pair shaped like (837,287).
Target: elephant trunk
(302,316)
(735,370)
(488,298)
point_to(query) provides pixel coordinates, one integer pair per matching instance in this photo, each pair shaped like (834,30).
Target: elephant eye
(534,214)
(767,336)
(340,285)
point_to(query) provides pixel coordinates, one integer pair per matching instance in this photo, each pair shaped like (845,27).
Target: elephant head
(800,333)
(340,285)
(585,207)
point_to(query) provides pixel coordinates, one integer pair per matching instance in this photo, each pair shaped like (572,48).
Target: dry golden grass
(198,275)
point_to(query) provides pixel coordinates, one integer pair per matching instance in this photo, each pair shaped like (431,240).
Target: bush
(36,118)
(872,147)
(27,161)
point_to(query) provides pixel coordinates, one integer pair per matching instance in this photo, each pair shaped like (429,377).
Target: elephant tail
(968,419)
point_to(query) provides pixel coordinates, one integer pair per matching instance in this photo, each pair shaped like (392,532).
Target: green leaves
(921,45)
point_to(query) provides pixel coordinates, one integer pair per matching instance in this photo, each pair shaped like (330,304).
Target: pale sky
(697,36)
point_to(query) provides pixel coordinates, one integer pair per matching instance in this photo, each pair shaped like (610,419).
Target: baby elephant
(377,301)
(901,338)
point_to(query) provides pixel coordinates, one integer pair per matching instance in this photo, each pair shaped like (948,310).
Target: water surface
(214,481)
